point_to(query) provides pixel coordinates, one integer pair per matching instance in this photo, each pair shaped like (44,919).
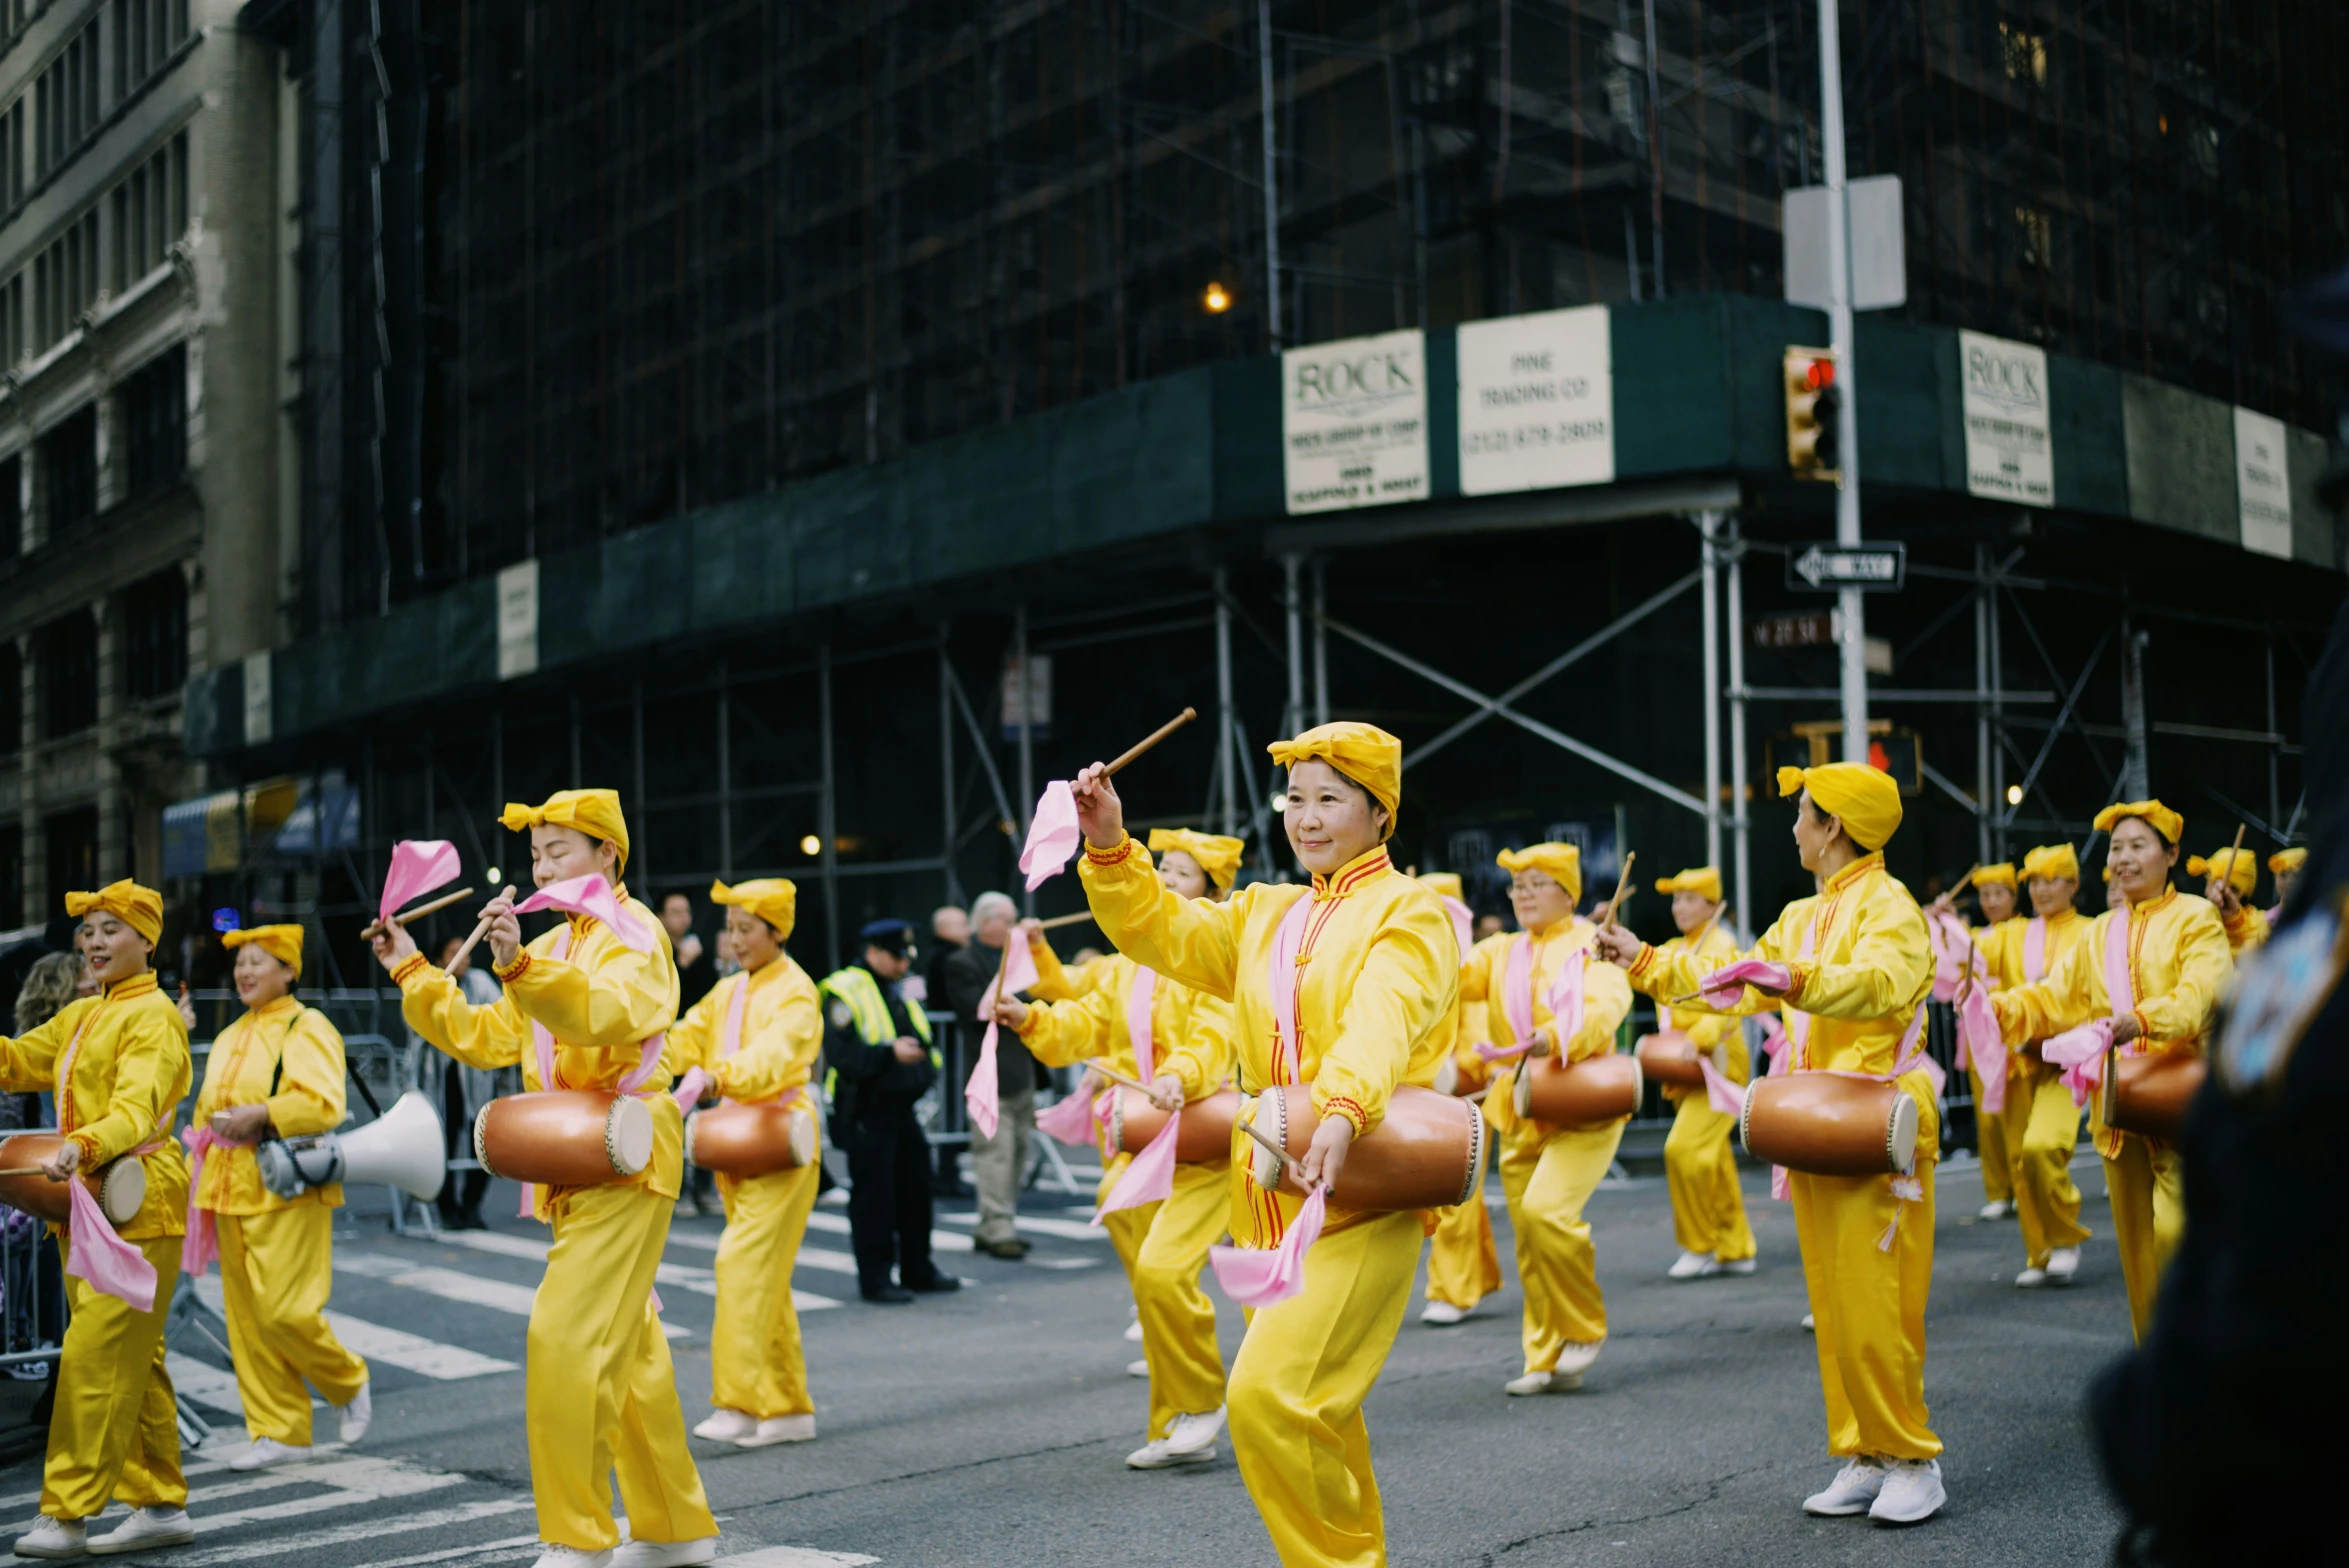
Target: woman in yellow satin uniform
(2178,964)
(760,1055)
(1549,1172)
(1995,893)
(1861,968)
(114,1432)
(601,1395)
(1377,972)
(2285,865)
(276,1072)
(2229,878)
(1700,1169)
(1463,1265)
(1164,1244)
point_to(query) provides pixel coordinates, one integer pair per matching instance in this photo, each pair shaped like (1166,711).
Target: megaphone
(401,1148)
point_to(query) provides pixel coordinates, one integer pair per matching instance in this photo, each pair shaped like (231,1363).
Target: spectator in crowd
(460,1092)
(1489,925)
(999,1165)
(697,971)
(950,926)
(34,1287)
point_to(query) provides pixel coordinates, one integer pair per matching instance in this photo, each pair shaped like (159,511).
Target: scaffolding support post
(2138,773)
(637,801)
(726,773)
(1850,601)
(1027,692)
(1708,525)
(2275,783)
(1272,189)
(825,819)
(1227,785)
(1985,803)
(1993,806)
(1742,772)
(1293,612)
(952,893)
(1321,642)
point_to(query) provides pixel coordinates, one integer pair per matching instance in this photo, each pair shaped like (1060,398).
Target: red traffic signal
(1813,415)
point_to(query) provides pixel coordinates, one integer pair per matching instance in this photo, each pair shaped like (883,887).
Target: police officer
(878,1061)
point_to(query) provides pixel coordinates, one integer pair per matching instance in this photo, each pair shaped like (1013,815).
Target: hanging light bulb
(1217,299)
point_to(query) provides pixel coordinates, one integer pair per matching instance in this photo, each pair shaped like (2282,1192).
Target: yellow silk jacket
(782,1033)
(1190,1031)
(129,1074)
(1606,999)
(1703,1028)
(310,1098)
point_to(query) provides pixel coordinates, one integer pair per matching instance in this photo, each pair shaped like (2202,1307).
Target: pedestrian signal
(1814,407)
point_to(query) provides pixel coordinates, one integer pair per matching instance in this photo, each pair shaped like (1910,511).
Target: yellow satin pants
(601,1393)
(1297,1389)
(1178,1321)
(2147,1182)
(1463,1266)
(275,1271)
(1549,1174)
(2000,1144)
(2043,1130)
(114,1433)
(1868,1306)
(1700,1170)
(756,1363)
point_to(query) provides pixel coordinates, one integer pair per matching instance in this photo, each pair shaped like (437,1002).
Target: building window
(12,123)
(69,471)
(12,506)
(2024,54)
(11,698)
(155,422)
(155,636)
(13,344)
(65,282)
(66,98)
(150,210)
(65,658)
(12,873)
(73,851)
(2034,237)
(145,34)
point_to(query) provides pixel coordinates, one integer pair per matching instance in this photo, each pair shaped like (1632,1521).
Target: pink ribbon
(593,897)
(202,1244)
(1073,1117)
(982,1096)
(1288,940)
(1053,835)
(2035,951)
(1725,987)
(1979,1037)
(1260,1277)
(1723,1093)
(1496,1054)
(1140,994)
(1463,923)
(689,1088)
(2080,1053)
(1149,1176)
(418,865)
(1517,989)
(542,1038)
(1953,952)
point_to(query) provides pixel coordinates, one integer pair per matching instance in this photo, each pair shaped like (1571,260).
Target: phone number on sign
(1526,438)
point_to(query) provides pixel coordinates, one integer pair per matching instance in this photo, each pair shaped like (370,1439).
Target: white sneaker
(1134,1330)
(665,1554)
(1809,1325)
(1194,1433)
(1575,1358)
(1157,1456)
(2030,1279)
(1542,1383)
(2062,1264)
(54,1537)
(146,1527)
(1997,1209)
(1693,1265)
(778,1429)
(1442,1314)
(1912,1492)
(727,1426)
(268,1451)
(1737,1265)
(1137,1369)
(358,1415)
(552,1556)
(1854,1488)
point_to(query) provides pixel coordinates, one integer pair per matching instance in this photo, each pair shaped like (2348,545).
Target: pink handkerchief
(982,1095)
(1500,1053)
(1725,1097)
(1053,835)
(1261,1277)
(2080,1053)
(591,896)
(108,1262)
(1978,1036)
(688,1091)
(1722,988)
(418,865)
(1149,1176)
(1071,1119)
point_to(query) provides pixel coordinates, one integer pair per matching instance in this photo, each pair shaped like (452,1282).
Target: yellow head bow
(283,943)
(2052,860)
(140,908)
(2286,860)
(1561,863)
(1703,881)
(1217,855)
(2239,867)
(594,812)
(2153,813)
(1444,884)
(773,899)
(1362,752)
(1867,800)
(2003,875)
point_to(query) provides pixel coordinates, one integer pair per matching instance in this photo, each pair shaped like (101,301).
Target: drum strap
(2035,950)
(542,1040)
(98,1255)
(1288,941)
(730,1041)
(1139,996)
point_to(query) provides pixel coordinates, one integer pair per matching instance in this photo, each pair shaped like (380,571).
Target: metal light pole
(1849,601)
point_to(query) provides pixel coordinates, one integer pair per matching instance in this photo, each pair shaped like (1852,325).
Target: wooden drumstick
(1057,921)
(418,913)
(1114,1076)
(27,1170)
(479,932)
(1621,883)
(1295,1171)
(1154,737)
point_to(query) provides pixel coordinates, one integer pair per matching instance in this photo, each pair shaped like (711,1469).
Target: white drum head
(122,1191)
(1900,1139)
(1271,1113)
(803,1139)
(628,1135)
(1447,1077)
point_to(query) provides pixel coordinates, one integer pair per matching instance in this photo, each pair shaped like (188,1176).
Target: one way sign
(1873,568)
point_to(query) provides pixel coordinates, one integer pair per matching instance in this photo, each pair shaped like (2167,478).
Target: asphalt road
(991,1427)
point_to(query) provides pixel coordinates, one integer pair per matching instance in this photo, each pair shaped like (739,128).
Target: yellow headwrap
(1363,752)
(1866,800)
(2156,816)
(1444,884)
(2240,867)
(2003,875)
(1704,881)
(594,812)
(2052,860)
(2288,859)
(283,943)
(1217,855)
(773,899)
(1562,863)
(140,908)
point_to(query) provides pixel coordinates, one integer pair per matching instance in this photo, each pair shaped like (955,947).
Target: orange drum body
(751,1140)
(1670,1058)
(120,1187)
(2148,1094)
(1425,1154)
(1205,1136)
(564,1137)
(1588,1093)
(1827,1124)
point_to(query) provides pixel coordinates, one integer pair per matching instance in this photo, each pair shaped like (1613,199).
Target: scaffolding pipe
(952,893)
(826,822)
(1984,802)
(726,774)
(1293,713)
(2138,772)
(1850,601)
(1997,688)
(1740,805)
(1321,643)
(2275,783)
(1708,524)
(1027,695)
(1227,786)
(636,801)
(1272,189)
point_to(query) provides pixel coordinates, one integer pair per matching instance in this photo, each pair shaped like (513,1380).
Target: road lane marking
(391,1346)
(342,1535)
(455,1285)
(1066,1230)
(702,1282)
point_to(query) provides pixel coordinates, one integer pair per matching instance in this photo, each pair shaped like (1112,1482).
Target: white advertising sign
(518,619)
(2263,483)
(259,712)
(2010,455)
(1537,402)
(1354,422)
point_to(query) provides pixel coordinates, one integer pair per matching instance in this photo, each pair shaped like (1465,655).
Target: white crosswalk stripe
(391,1346)
(314,1541)
(701,1282)
(473,1290)
(1065,1230)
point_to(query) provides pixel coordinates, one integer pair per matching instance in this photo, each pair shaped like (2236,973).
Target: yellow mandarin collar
(579,922)
(1353,874)
(2152,906)
(2063,916)
(137,985)
(1872,861)
(770,970)
(276,1004)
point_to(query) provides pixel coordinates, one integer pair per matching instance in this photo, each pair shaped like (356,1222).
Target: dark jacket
(968,974)
(869,1079)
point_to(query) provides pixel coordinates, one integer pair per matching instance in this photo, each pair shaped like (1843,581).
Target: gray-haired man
(998,1164)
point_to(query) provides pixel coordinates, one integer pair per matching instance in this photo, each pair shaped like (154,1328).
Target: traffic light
(1813,412)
